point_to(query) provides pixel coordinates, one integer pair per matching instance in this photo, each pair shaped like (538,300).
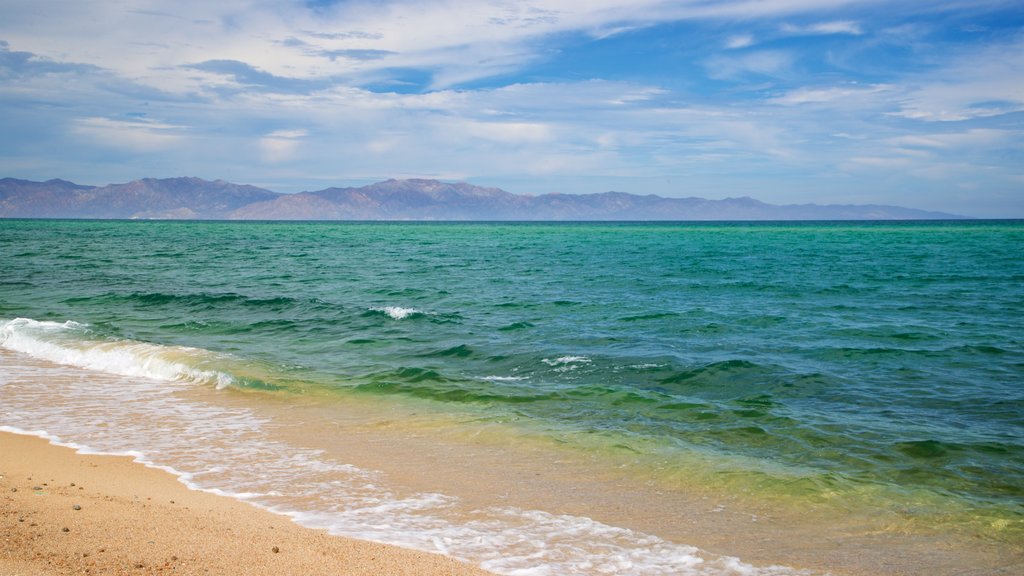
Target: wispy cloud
(831,94)
(761,63)
(508,132)
(281,145)
(885,162)
(456,40)
(973,138)
(134,135)
(17,65)
(976,84)
(739,41)
(834,27)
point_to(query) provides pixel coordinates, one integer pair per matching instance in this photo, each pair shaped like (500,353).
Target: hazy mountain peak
(190,197)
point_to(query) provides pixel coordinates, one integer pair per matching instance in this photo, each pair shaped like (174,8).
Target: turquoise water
(817,357)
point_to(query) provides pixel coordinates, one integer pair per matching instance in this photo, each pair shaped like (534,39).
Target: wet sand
(66,513)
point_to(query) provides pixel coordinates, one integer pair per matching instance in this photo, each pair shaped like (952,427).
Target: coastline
(132,519)
(405,385)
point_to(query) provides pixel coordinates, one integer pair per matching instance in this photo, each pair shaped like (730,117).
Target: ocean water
(865,375)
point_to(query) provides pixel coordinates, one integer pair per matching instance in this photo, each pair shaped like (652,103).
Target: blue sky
(915,103)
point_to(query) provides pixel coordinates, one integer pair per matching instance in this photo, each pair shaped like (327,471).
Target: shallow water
(702,379)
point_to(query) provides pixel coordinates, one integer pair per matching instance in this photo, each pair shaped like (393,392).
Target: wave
(717,373)
(73,344)
(402,313)
(516,326)
(567,363)
(210,305)
(397,312)
(444,391)
(459,351)
(651,316)
(197,299)
(563,360)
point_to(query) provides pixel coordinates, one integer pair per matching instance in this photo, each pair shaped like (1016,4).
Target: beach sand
(66,513)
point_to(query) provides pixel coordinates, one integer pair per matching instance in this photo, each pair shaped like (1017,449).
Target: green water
(804,359)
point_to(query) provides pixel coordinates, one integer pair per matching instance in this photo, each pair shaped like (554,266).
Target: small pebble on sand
(76,507)
(275,549)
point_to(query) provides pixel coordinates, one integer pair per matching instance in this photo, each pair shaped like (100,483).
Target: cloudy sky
(911,102)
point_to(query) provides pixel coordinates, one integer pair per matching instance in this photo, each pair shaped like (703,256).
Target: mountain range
(414,199)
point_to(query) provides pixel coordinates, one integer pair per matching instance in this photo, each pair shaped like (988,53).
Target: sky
(917,103)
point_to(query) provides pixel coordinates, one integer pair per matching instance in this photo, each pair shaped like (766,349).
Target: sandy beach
(66,513)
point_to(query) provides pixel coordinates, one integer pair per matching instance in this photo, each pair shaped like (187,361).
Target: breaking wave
(73,344)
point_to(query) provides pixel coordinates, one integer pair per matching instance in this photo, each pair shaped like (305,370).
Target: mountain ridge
(191,198)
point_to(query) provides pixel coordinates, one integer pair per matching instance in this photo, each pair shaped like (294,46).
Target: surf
(73,344)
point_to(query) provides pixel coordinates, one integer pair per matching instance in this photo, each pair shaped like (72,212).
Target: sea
(550,398)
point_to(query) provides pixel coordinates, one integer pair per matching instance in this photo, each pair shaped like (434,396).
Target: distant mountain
(169,198)
(416,199)
(397,200)
(24,198)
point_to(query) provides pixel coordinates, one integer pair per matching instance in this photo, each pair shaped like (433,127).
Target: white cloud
(458,40)
(383,144)
(878,162)
(765,62)
(288,134)
(454,40)
(979,138)
(509,132)
(280,145)
(824,28)
(981,83)
(131,135)
(809,95)
(739,41)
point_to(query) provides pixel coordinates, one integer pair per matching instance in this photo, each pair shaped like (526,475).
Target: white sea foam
(566,360)
(504,378)
(229,450)
(397,312)
(68,343)
(566,363)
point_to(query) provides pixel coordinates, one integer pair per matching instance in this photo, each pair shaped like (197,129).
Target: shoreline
(134,519)
(726,533)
